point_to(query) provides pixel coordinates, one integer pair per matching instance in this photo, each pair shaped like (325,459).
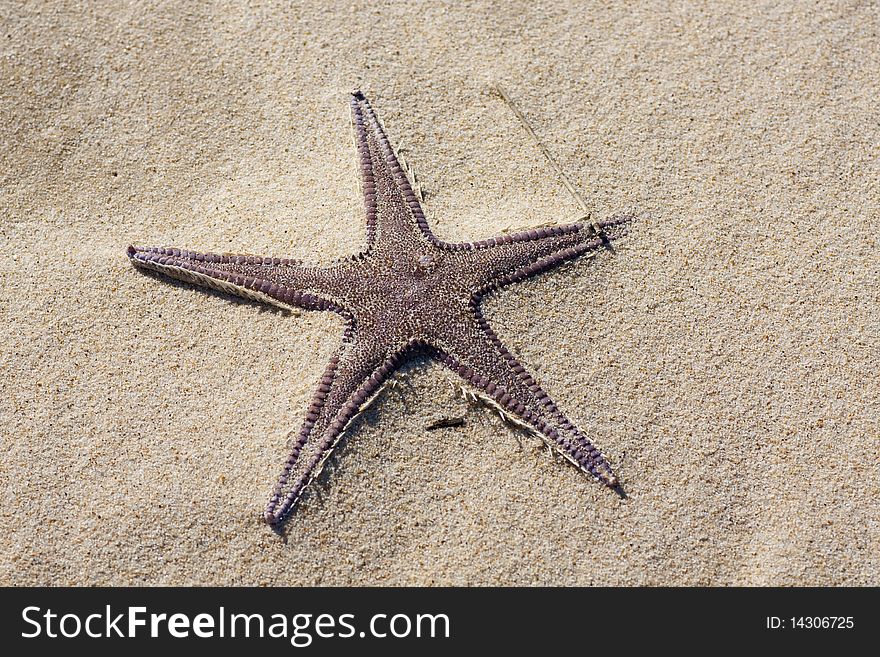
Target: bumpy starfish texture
(408,292)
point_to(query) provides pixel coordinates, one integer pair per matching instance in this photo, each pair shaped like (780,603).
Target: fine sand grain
(724,357)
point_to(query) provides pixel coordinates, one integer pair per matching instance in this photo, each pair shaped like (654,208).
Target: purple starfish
(408,292)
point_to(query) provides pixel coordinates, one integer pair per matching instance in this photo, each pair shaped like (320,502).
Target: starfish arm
(511,258)
(278,281)
(480,358)
(392,207)
(353,379)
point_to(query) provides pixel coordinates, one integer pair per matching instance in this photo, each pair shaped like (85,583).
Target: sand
(724,357)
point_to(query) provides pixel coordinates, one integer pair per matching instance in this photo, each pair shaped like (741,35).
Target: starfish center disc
(425,265)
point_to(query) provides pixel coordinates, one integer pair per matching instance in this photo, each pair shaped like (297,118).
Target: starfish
(407,293)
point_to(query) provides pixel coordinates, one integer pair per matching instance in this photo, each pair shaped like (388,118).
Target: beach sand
(724,356)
